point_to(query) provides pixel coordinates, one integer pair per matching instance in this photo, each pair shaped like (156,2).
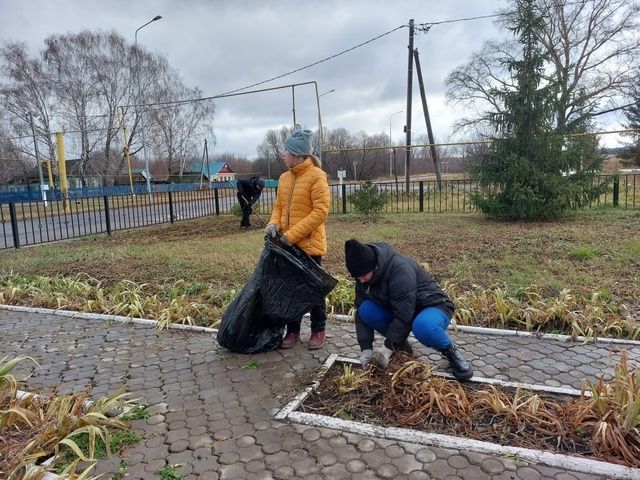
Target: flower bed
(580,430)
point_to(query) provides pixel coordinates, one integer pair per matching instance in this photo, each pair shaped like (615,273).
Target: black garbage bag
(285,285)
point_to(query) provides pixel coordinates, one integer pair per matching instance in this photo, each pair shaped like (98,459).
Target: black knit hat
(360,258)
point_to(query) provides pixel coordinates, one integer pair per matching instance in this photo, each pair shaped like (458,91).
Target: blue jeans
(429,326)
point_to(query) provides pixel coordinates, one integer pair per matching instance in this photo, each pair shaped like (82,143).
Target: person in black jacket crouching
(395,296)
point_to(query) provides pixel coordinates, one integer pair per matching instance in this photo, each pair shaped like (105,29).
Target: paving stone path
(212,413)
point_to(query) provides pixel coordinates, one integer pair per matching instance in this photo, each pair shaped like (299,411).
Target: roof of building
(214,168)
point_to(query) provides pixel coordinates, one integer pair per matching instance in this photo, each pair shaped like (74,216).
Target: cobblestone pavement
(213,415)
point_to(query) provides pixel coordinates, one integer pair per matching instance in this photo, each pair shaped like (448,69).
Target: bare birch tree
(177,130)
(26,87)
(271,149)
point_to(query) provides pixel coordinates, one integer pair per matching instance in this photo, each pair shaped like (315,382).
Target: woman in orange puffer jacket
(299,214)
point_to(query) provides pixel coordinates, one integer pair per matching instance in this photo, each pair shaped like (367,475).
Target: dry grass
(537,270)
(602,423)
(34,428)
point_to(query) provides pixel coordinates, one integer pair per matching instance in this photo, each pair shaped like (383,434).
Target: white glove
(271,231)
(381,357)
(365,357)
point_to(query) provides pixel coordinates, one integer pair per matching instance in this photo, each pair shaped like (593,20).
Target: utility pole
(206,155)
(202,163)
(427,119)
(407,158)
(35,146)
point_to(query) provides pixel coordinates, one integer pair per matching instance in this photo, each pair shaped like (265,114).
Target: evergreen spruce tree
(532,171)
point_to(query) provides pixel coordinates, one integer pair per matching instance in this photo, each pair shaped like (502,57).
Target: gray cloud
(224,45)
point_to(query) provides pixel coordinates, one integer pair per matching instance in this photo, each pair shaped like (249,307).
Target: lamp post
(390,142)
(328,91)
(38,162)
(144,139)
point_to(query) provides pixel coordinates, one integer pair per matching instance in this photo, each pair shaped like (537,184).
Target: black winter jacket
(249,189)
(402,286)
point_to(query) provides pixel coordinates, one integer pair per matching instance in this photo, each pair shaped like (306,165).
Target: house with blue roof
(213,172)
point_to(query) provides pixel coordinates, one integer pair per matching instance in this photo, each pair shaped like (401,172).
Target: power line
(427,25)
(319,61)
(291,72)
(456,20)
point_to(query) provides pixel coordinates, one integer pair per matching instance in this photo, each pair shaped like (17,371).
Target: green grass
(138,412)
(583,253)
(169,473)
(121,473)
(118,441)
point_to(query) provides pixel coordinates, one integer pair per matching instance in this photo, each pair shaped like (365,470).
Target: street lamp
(329,91)
(390,142)
(144,139)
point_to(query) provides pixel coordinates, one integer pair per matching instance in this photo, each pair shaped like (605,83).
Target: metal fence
(31,222)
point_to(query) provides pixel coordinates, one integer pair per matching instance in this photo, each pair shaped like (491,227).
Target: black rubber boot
(461,368)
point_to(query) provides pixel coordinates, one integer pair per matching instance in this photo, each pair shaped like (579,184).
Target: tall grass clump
(34,428)
(589,316)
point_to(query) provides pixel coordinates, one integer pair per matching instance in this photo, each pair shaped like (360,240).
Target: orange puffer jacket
(302,206)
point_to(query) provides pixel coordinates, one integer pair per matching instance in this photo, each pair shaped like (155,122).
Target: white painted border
(108,318)
(521,333)
(574,464)
(342,318)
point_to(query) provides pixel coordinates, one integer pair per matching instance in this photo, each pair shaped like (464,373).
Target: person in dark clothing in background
(249,190)
(395,296)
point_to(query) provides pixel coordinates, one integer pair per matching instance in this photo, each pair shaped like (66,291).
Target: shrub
(368,200)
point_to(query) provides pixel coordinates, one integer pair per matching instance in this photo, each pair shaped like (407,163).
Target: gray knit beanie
(299,143)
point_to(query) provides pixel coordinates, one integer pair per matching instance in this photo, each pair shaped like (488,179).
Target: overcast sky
(221,46)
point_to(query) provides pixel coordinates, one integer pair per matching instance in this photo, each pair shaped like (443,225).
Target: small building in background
(196,172)
(138,175)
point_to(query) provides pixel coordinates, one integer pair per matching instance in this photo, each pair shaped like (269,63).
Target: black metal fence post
(344,198)
(171,216)
(616,191)
(421,196)
(14,225)
(107,214)
(216,201)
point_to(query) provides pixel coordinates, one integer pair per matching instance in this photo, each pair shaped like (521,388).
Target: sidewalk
(214,416)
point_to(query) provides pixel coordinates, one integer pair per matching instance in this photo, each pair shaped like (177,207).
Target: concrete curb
(105,317)
(342,318)
(522,333)
(576,464)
